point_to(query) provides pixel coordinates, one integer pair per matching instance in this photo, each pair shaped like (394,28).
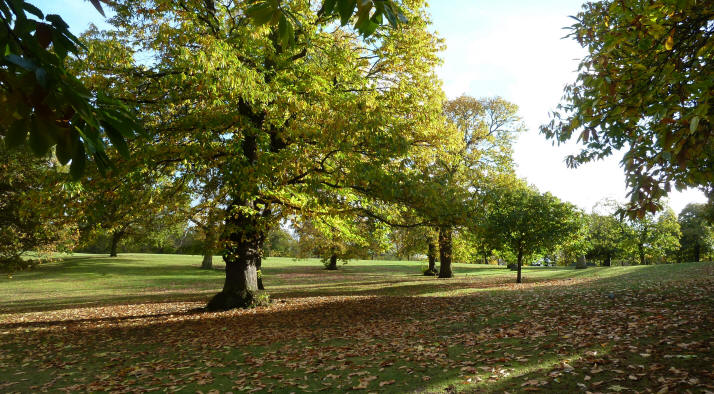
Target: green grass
(94,323)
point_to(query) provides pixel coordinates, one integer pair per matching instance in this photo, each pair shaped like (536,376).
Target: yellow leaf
(669,44)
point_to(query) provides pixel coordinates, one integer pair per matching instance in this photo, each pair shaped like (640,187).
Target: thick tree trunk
(207,262)
(520,264)
(116,237)
(445,252)
(208,245)
(333,263)
(242,256)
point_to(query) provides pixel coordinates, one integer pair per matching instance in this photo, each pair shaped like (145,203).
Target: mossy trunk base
(224,301)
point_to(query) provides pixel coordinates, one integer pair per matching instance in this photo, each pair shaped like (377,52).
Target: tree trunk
(333,263)
(696,253)
(244,244)
(445,252)
(259,266)
(207,262)
(431,254)
(116,237)
(608,260)
(520,264)
(641,253)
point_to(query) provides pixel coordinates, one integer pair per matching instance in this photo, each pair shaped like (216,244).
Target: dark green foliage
(44,106)
(645,87)
(697,239)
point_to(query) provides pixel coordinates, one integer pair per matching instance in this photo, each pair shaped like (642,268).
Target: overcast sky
(508,48)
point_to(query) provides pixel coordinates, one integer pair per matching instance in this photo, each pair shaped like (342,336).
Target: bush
(512,266)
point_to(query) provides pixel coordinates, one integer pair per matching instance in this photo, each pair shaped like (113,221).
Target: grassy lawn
(133,323)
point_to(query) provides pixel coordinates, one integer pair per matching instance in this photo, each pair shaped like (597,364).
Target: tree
(606,233)
(334,238)
(282,123)
(654,238)
(42,105)
(130,201)
(527,222)
(41,98)
(34,213)
(697,235)
(645,87)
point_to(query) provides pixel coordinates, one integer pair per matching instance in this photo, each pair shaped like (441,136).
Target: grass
(94,323)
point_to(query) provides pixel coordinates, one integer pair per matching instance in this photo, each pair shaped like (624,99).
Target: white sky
(510,48)
(514,49)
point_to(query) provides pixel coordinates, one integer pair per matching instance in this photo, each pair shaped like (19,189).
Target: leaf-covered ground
(372,326)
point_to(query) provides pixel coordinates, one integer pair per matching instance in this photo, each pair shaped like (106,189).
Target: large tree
(34,212)
(645,87)
(281,122)
(44,105)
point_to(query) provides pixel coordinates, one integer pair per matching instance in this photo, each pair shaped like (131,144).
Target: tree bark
(445,252)
(244,244)
(697,253)
(116,237)
(641,253)
(431,254)
(520,264)
(207,262)
(333,263)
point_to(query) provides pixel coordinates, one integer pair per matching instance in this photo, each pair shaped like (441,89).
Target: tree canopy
(645,87)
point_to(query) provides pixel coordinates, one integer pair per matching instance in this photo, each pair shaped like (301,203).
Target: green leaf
(328,6)
(40,138)
(33,10)
(117,140)
(261,13)
(346,7)
(286,32)
(693,124)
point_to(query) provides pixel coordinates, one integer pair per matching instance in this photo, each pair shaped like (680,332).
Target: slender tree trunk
(431,254)
(244,244)
(116,237)
(333,263)
(608,260)
(520,264)
(259,267)
(697,252)
(485,258)
(641,253)
(445,252)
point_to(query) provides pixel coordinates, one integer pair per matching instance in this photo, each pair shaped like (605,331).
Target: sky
(509,48)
